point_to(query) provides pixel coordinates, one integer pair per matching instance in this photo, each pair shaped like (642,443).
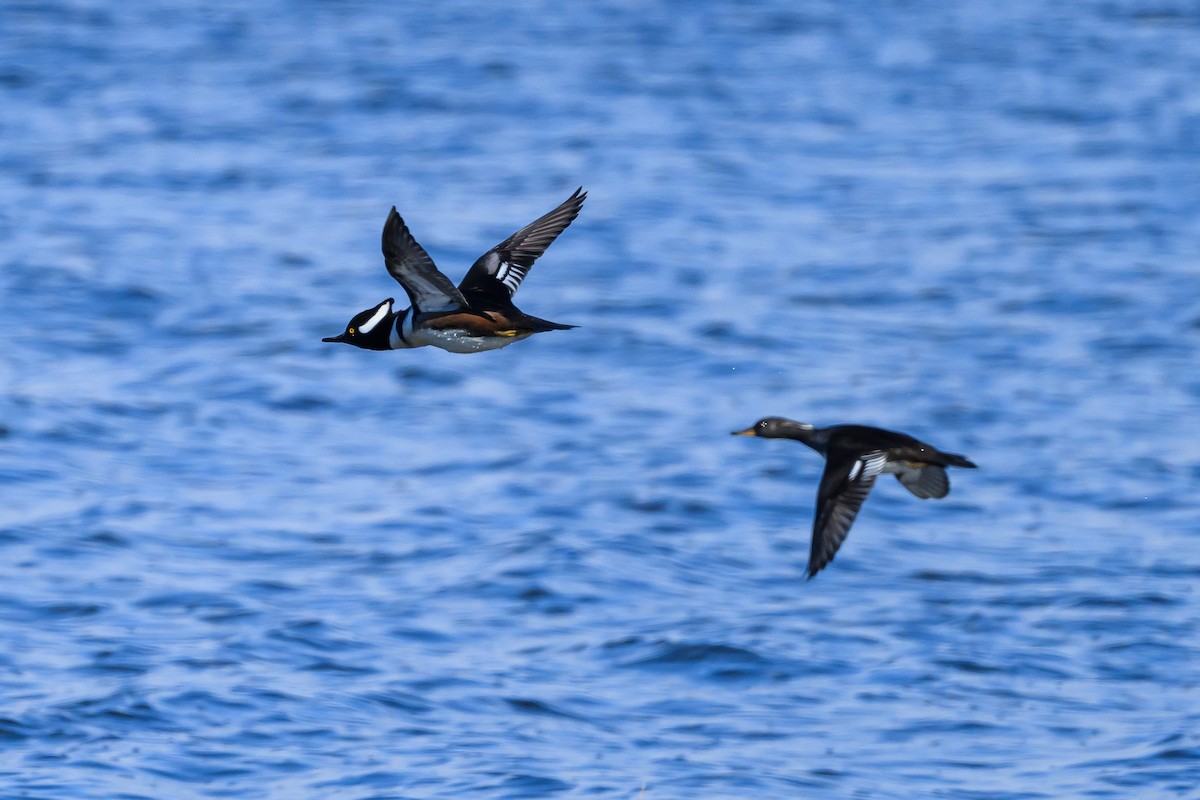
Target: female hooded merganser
(479,314)
(854,456)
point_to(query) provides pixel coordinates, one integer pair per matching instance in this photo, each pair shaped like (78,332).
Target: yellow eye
(351,331)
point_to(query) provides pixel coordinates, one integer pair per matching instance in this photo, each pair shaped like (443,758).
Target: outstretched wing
(428,290)
(845,484)
(497,274)
(924,480)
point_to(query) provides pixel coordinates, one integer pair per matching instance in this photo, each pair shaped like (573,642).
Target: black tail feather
(953,460)
(539,325)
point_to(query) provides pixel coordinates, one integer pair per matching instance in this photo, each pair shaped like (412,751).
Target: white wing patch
(375,319)
(510,277)
(868,465)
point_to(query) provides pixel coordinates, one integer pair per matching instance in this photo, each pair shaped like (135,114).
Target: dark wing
(924,480)
(428,290)
(845,484)
(497,274)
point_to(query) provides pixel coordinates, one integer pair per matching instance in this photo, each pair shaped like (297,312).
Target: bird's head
(776,428)
(368,329)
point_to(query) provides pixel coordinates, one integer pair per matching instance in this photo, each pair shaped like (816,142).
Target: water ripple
(237,562)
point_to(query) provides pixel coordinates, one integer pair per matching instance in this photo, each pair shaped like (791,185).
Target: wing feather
(839,498)
(428,289)
(925,480)
(495,277)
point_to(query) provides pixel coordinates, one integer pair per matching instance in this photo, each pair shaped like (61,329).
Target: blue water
(236,562)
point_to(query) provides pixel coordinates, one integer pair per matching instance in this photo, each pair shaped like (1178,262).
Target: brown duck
(854,456)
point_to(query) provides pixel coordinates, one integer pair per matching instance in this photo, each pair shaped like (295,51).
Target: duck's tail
(538,325)
(953,460)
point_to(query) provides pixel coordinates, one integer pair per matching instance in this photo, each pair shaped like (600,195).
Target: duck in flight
(477,315)
(854,456)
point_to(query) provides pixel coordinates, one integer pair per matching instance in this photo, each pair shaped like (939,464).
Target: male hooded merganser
(479,314)
(854,456)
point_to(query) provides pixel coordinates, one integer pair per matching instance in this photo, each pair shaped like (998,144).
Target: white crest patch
(375,319)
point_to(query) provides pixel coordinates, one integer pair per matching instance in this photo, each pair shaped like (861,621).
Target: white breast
(405,327)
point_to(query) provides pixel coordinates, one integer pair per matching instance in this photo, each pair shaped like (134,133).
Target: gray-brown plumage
(855,455)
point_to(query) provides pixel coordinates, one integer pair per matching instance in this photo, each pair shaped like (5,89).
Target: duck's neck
(816,438)
(401,330)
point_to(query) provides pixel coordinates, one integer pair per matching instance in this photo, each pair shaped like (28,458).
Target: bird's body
(855,455)
(479,313)
(465,333)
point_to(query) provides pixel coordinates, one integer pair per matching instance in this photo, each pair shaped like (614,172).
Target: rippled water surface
(238,562)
